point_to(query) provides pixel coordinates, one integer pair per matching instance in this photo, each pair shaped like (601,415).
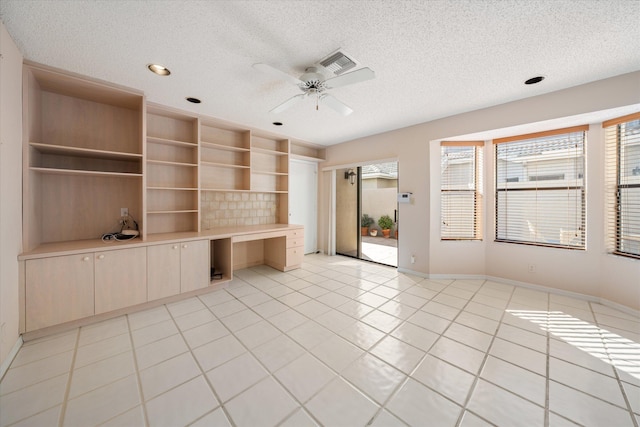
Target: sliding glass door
(367,213)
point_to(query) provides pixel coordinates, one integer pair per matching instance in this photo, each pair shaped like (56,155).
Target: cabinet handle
(175,246)
(86,258)
(184,246)
(100,256)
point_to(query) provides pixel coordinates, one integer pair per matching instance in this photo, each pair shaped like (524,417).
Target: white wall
(10,189)
(589,272)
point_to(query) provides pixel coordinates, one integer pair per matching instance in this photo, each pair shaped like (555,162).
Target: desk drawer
(295,242)
(294,256)
(298,233)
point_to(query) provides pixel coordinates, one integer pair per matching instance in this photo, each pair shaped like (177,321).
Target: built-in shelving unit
(92,148)
(269,164)
(303,151)
(172,189)
(225,160)
(83,156)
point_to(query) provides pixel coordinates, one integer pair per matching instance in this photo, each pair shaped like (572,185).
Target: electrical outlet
(124,211)
(532,268)
(413,259)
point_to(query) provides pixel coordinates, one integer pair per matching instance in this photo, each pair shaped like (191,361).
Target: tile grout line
(634,420)
(476,379)
(547,380)
(145,415)
(202,372)
(63,408)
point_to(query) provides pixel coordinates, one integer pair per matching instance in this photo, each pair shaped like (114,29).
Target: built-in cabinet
(177,268)
(91,148)
(58,290)
(120,279)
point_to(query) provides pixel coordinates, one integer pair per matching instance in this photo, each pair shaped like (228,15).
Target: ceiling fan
(313,82)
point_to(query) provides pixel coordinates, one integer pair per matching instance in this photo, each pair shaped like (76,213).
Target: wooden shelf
(167,163)
(215,146)
(307,158)
(226,190)
(55,171)
(308,152)
(261,172)
(223,165)
(83,152)
(267,151)
(172,188)
(172,212)
(171,142)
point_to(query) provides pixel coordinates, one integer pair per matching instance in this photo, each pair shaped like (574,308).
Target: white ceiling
(432,59)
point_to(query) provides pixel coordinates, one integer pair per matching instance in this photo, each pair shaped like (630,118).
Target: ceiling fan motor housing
(312,81)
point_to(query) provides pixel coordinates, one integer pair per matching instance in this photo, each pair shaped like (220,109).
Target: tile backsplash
(224,209)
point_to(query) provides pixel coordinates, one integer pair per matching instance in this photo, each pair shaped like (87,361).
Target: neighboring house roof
(380,170)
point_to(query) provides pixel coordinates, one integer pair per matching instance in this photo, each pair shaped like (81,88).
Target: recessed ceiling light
(534,80)
(193,100)
(277,123)
(159,69)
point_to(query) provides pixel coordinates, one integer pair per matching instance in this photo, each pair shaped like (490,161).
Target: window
(540,193)
(461,190)
(622,140)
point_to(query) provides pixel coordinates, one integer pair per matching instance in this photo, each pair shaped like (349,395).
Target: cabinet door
(194,265)
(120,278)
(58,290)
(163,271)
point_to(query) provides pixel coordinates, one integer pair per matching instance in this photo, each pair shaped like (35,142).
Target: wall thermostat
(404,197)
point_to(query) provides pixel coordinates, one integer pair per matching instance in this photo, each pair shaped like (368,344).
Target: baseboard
(9,359)
(457,276)
(413,273)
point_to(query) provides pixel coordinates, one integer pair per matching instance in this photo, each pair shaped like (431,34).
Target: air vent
(338,63)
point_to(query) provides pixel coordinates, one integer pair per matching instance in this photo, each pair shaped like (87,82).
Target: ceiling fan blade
(357,76)
(288,103)
(336,105)
(268,69)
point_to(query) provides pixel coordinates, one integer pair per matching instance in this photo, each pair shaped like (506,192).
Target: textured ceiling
(431,58)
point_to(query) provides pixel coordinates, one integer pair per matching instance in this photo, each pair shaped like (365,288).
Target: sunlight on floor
(611,348)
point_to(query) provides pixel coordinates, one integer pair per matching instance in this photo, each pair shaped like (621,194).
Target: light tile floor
(339,342)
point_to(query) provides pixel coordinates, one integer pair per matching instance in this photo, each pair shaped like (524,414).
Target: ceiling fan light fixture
(159,69)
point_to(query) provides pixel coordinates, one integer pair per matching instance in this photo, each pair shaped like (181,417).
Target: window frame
(616,187)
(477,191)
(536,188)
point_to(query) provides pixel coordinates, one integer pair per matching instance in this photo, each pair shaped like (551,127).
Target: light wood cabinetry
(163,271)
(303,151)
(177,268)
(58,290)
(120,278)
(225,160)
(295,249)
(82,156)
(172,189)
(91,148)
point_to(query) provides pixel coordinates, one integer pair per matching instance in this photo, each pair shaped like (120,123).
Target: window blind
(540,192)
(622,166)
(461,190)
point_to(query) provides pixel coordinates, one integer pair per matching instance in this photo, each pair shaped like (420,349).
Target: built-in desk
(67,283)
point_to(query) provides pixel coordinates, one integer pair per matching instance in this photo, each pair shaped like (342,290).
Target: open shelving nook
(172,187)
(225,159)
(83,156)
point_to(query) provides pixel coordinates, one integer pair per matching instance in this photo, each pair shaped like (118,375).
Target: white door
(303,200)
